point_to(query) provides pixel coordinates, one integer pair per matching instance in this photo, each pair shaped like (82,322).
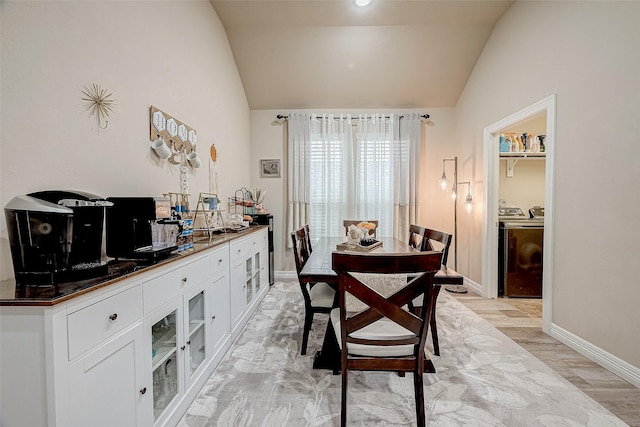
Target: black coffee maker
(56,236)
(129,225)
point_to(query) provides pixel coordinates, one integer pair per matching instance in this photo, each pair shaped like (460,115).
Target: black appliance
(56,236)
(267,219)
(128,227)
(520,243)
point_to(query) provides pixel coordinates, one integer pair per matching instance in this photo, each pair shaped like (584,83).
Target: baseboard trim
(285,275)
(623,369)
(473,286)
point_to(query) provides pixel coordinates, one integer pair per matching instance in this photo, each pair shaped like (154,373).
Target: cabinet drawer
(97,322)
(219,261)
(159,291)
(240,250)
(263,237)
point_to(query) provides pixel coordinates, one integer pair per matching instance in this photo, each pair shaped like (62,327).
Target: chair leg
(419,391)
(434,334)
(308,320)
(343,399)
(432,323)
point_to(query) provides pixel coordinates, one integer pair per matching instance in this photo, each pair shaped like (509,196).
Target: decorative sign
(159,122)
(193,138)
(172,128)
(182,133)
(177,135)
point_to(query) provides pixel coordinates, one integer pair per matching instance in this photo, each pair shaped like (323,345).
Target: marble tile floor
(521,320)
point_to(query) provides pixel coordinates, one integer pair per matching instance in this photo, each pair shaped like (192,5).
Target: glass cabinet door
(164,363)
(249,279)
(196,338)
(256,272)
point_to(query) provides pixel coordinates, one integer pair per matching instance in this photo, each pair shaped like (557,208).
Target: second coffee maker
(140,228)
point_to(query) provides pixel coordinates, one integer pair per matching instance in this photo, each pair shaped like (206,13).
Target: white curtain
(298,160)
(375,166)
(332,174)
(363,169)
(407,151)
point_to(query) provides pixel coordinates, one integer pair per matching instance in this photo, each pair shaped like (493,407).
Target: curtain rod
(283,117)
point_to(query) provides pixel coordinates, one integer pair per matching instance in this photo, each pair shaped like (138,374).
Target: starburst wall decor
(99,104)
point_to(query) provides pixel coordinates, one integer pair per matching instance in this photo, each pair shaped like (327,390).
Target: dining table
(318,268)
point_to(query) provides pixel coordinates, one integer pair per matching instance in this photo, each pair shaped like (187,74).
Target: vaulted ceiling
(295,54)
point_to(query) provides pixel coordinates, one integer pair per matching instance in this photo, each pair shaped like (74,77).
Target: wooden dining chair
(424,238)
(416,236)
(348,222)
(318,297)
(384,336)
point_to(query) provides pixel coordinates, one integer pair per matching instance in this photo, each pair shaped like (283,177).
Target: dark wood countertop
(118,270)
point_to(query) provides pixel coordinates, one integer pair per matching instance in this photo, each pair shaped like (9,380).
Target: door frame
(491,182)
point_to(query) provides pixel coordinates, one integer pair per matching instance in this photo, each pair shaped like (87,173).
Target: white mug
(194,159)
(162,150)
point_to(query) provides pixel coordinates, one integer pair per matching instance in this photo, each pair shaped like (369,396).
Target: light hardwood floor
(521,320)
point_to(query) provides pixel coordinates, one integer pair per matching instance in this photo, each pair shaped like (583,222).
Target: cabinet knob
(183,347)
(143,390)
(189,342)
(213,317)
(114,316)
(184,280)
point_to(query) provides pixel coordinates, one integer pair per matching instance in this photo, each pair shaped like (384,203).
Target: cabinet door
(257,278)
(219,316)
(264,268)
(195,347)
(107,388)
(248,288)
(238,293)
(165,331)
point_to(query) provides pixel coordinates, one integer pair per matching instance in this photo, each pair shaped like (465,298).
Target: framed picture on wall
(270,168)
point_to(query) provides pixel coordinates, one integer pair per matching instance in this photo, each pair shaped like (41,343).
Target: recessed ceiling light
(362,2)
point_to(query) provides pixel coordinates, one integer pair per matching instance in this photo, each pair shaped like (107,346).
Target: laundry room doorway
(506,161)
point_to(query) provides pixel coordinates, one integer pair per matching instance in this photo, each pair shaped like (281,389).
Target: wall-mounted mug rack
(171,138)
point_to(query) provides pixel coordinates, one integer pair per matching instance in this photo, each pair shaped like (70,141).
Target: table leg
(329,356)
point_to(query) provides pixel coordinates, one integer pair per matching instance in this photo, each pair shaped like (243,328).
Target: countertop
(118,270)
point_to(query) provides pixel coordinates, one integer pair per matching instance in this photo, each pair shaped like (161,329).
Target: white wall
(268,142)
(526,187)
(586,53)
(171,54)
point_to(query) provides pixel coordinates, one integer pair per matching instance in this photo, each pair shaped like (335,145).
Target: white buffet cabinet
(135,352)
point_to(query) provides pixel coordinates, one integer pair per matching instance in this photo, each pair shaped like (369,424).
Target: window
(359,169)
(350,177)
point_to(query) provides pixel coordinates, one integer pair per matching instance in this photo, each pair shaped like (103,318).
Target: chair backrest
(306,230)
(419,267)
(348,222)
(301,247)
(444,239)
(416,236)
(423,238)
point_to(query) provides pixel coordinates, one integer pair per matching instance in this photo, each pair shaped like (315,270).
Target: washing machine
(520,253)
